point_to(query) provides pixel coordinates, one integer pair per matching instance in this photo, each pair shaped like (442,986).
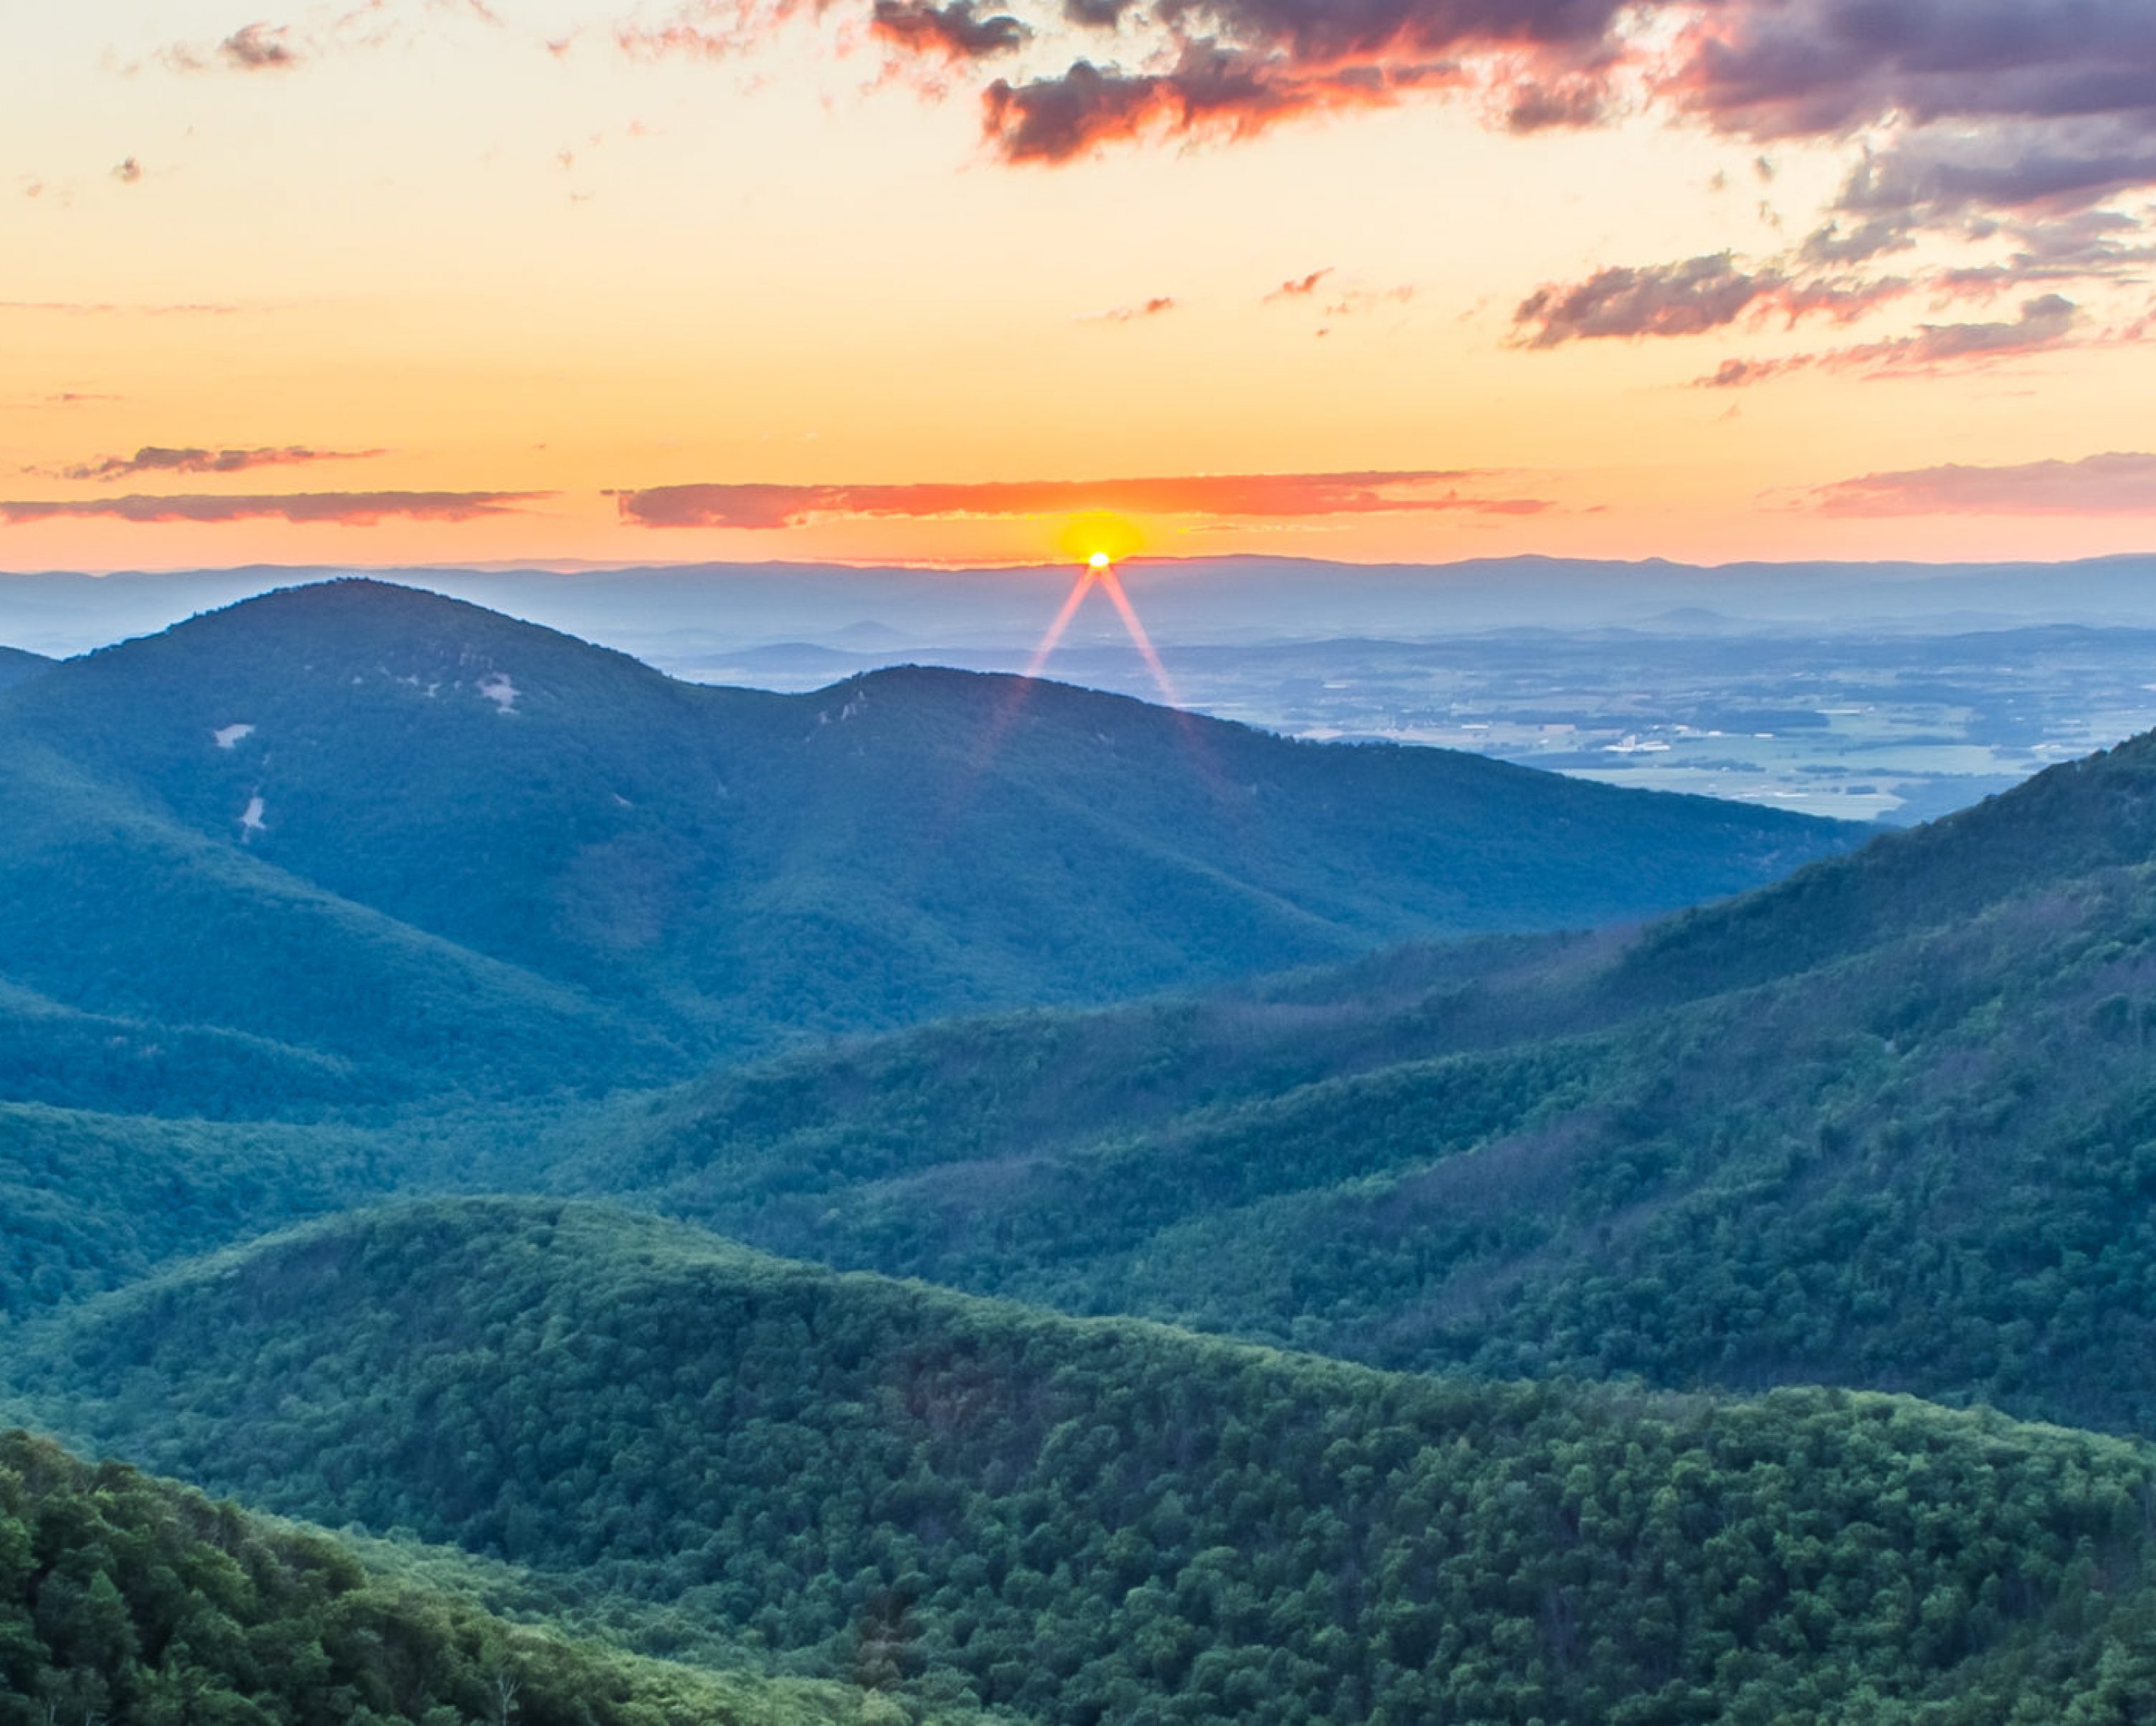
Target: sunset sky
(657,280)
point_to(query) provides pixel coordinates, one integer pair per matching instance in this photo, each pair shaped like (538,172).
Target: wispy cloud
(1688,298)
(1157,306)
(1301,288)
(1256,495)
(2118,484)
(349,509)
(95,308)
(2047,322)
(253,48)
(152,460)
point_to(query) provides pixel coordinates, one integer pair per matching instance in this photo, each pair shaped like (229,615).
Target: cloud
(1980,109)
(954,31)
(2114,484)
(1097,14)
(1265,495)
(1301,288)
(86,308)
(1962,115)
(2048,321)
(1212,86)
(1684,298)
(1781,69)
(1154,307)
(257,48)
(154,460)
(349,509)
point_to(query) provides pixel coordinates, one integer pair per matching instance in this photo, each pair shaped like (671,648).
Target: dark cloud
(155,460)
(955,31)
(1534,106)
(1683,299)
(351,509)
(2018,109)
(1264,496)
(1216,83)
(1097,14)
(2118,484)
(1777,69)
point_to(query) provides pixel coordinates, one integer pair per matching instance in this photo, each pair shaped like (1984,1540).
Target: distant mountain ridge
(606,873)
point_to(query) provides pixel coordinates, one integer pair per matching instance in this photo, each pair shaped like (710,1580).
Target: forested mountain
(409,843)
(17,667)
(1891,1123)
(1093,1521)
(353,892)
(131,1600)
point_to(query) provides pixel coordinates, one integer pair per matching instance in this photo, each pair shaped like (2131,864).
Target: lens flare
(1100,572)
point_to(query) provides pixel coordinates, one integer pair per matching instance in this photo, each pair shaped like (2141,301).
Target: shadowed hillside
(307,783)
(17,667)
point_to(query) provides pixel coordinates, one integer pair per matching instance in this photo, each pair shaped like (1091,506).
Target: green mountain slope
(1909,1147)
(128,1598)
(282,995)
(1105,1520)
(730,869)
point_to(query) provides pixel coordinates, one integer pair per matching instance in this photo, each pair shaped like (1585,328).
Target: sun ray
(1076,598)
(1111,584)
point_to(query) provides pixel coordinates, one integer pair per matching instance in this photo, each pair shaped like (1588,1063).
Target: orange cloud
(1275,496)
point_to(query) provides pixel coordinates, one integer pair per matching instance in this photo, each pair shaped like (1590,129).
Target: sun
(1099,539)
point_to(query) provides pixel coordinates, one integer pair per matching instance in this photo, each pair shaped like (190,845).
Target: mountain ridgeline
(963,1502)
(1891,1122)
(432,849)
(1616,1258)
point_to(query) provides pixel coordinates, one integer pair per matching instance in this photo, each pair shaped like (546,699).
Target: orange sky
(447,281)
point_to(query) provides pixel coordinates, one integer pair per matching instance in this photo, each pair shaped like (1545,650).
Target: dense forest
(129,1599)
(1095,1521)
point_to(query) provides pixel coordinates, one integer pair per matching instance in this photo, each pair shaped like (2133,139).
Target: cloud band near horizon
(1269,496)
(2118,483)
(347,509)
